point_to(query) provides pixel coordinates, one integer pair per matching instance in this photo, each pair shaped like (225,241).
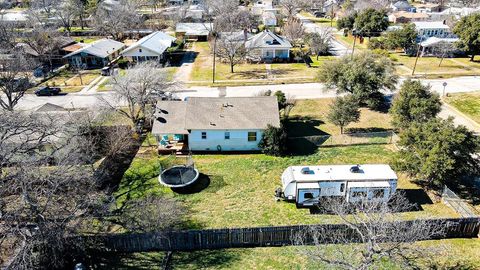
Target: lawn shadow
(298,126)
(205,259)
(179,58)
(416,197)
(301,147)
(131,261)
(248,74)
(365,130)
(199,185)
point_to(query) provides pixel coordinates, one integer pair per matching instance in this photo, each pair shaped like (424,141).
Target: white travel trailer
(306,185)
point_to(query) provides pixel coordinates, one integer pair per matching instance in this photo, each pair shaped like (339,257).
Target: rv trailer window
(357,194)
(204,135)
(378,193)
(308,195)
(342,187)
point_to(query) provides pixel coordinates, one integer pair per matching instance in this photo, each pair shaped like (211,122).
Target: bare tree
(14,79)
(374,232)
(67,11)
(291,7)
(231,46)
(15,68)
(294,31)
(139,89)
(41,206)
(114,18)
(376,4)
(320,42)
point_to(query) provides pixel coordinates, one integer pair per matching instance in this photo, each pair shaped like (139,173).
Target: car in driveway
(48,91)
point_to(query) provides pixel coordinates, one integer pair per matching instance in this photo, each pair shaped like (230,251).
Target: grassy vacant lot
(86,39)
(429,66)
(459,254)
(310,118)
(319,21)
(467,103)
(246,73)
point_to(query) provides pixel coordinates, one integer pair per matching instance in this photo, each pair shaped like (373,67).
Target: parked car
(48,91)
(319,14)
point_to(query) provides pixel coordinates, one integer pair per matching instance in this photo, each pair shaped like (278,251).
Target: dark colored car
(48,91)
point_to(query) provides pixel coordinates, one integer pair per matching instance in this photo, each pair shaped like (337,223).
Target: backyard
(238,191)
(467,103)
(246,73)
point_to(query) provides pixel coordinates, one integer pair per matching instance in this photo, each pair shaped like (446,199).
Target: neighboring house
(432,29)
(214,124)
(402,6)
(260,6)
(440,47)
(151,47)
(95,55)
(18,19)
(193,31)
(268,46)
(407,17)
(454,12)
(269,19)
(428,7)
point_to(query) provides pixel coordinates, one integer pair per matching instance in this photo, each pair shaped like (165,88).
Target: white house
(269,19)
(306,185)
(151,47)
(402,6)
(269,46)
(432,29)
(214,124)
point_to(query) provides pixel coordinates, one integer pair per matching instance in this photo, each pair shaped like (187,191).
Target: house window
(308,195)
(252,136)
(378,193)
(342,187)
(139,50)
(227,135)
(204,135)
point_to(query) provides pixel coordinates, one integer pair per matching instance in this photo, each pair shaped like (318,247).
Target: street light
(444,86)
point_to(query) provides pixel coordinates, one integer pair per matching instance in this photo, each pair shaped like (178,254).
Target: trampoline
(178,176)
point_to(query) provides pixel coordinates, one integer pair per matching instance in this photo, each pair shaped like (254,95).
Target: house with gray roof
(151,47)
(95,55)
(214,124)
(268,46)
(193,31)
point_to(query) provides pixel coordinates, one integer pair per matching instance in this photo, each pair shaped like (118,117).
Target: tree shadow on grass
(301,147)
(416,197)
(254,74)
(365,130)
(205,259)
(132,261)
(298,126)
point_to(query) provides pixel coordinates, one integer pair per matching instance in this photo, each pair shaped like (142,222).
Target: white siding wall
(238,140)
(144,52)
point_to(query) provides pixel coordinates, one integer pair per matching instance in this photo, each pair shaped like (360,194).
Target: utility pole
(416,59)
(214,53)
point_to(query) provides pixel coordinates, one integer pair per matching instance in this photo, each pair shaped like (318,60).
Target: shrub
(274,141)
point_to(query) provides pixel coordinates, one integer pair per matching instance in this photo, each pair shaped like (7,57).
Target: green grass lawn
(458,254)
(312,119)
(70,82)
(429,66)
(86,39)
(467,103)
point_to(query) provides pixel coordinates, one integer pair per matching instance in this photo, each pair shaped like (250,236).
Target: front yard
(246,73)
(71,82)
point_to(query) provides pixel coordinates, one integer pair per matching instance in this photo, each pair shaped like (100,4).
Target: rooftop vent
(306,170)
(355,169)
(212,124)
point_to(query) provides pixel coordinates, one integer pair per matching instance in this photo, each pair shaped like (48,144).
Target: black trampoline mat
(178,175)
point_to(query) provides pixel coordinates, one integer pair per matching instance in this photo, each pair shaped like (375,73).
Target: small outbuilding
(151,47)
(308,185)
(193,31)
(96,55)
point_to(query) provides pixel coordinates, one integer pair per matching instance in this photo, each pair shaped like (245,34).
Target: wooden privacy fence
(247,237)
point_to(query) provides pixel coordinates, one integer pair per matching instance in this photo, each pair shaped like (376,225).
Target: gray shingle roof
(216,113)
(101,48)
(156,42)
(263,40)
